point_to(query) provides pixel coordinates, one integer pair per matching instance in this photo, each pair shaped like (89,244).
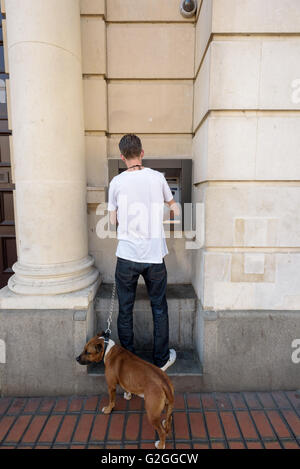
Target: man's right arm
(112,203)
(174,207)
(168,198)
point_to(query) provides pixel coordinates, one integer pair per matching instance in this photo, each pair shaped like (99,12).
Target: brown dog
(135,376)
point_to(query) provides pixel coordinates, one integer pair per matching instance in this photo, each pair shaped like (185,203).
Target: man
(136,199)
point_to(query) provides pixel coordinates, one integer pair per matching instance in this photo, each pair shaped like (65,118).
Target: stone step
(186,373)
(182,304)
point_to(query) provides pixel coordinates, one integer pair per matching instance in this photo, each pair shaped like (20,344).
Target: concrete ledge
(248,350)
(185,374)
(40,349)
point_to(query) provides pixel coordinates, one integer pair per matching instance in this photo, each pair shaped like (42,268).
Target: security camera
(188,8)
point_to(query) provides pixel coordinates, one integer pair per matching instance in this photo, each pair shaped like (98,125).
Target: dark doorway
(8,252)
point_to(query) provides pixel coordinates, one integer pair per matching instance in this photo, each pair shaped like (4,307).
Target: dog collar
(108,344)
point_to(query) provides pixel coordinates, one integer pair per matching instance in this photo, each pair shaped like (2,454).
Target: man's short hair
(130,146)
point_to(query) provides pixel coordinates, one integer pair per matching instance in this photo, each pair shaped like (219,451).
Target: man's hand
(174,207)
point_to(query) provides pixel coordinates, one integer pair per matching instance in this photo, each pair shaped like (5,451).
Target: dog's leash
(107,333)
(111,309)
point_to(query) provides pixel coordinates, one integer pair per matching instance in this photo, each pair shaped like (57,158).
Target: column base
(53,279)
(77,300)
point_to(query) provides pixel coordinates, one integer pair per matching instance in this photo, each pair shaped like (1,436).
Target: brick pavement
(253,420)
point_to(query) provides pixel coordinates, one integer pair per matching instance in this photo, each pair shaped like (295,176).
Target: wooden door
(8,254)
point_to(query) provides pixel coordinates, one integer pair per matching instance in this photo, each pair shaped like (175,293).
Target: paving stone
(252,420)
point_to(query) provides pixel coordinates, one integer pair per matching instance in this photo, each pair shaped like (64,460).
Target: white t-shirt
(139,197)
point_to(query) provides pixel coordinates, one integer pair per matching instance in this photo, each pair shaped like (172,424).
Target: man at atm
(136,201)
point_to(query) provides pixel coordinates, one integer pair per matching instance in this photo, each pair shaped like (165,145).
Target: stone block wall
(246,153)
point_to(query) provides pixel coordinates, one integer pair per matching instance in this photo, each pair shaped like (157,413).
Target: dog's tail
(168,421)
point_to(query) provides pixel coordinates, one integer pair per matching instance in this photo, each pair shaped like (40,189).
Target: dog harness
(108,343)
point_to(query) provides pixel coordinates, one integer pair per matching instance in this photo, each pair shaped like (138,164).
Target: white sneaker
(172,359)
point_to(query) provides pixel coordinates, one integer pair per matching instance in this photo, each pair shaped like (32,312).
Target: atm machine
(178,173)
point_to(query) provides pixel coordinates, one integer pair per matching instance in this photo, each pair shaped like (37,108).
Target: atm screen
(178,173)
(174,184)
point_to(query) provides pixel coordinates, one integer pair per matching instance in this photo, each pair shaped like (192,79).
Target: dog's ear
(100,334)
(99,347)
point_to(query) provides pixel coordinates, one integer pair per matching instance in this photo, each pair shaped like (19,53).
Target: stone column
(44,54)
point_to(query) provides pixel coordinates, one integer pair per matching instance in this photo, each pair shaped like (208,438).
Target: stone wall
(246,153)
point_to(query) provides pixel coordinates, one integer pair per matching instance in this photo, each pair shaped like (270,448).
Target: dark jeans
(155,276)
